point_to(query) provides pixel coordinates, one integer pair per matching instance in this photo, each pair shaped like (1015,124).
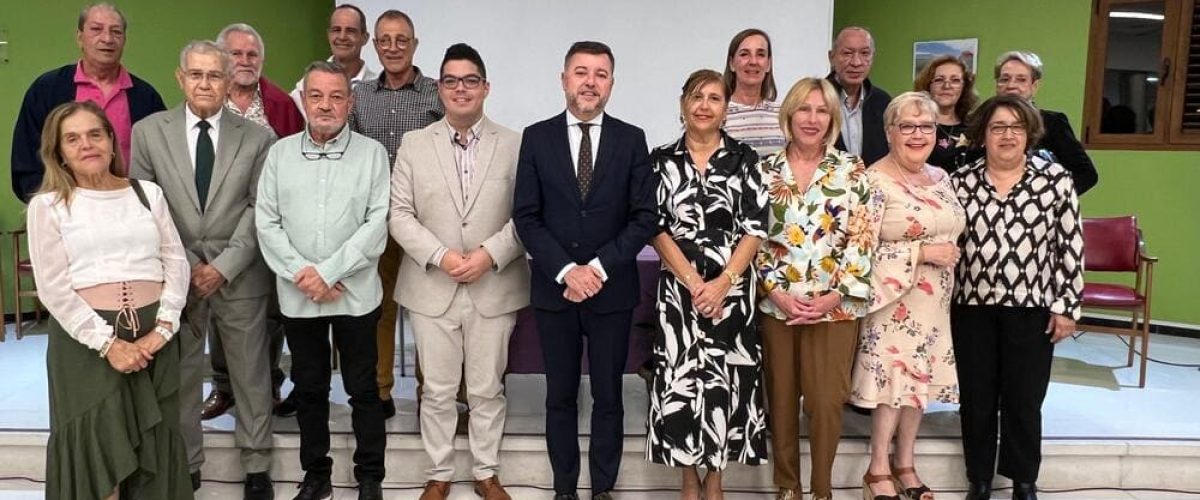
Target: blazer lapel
(174,130)
(604,153)
(445,159)
(229,142)
(562,145)
(483,161)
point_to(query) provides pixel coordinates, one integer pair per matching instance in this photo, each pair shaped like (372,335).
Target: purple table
(525,350)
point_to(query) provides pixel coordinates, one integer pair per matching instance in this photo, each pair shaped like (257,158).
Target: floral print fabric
(905,356)
(818,236)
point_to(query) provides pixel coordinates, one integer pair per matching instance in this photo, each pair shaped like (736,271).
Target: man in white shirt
(347,35)
(208,163)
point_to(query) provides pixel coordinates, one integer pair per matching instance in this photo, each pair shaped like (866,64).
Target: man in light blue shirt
(322,224)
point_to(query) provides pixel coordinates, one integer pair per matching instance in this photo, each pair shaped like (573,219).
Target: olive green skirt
(112,430)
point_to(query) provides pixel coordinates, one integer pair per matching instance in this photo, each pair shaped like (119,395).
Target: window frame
(1168,133)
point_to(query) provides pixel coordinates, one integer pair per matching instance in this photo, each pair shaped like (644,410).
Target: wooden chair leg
(1132,338)
(1145,351)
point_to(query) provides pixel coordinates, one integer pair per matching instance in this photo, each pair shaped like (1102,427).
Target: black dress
(706,404)
(950,150)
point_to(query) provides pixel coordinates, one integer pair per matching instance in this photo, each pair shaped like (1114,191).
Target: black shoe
(195,480)
(258,487)
(369,489)
(216,405)
(314,489)
(566,496)
(1024,491)
(603,495)
(389,408)
(287,407)
(979,490)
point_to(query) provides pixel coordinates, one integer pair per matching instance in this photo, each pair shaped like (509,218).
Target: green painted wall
(1158,187)
(41,36)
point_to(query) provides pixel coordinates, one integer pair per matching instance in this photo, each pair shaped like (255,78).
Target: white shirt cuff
(595,262)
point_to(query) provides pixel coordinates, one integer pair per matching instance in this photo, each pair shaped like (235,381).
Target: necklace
(900,170)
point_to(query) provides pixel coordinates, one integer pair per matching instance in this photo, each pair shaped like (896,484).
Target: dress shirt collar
(572,121)
(418,83)
(473,132)
(340,138)
(124,81)
(190,119)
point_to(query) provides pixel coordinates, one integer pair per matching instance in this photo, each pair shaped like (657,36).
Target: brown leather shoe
(490,489)
(216,405)
(436,490)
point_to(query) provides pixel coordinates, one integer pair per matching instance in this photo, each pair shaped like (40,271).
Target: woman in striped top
(753,114)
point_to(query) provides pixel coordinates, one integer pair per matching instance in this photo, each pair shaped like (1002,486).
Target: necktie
(204,162)
(585,159)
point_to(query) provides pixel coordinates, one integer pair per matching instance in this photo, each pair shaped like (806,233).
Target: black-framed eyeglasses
(911,128)
(330,155)
(469,81)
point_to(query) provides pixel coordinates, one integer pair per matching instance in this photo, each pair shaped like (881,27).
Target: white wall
(657,43)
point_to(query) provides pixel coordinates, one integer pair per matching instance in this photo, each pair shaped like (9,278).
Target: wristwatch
(734,279)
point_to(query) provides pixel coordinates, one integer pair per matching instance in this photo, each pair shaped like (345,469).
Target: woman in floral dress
(706,404)
(905,356)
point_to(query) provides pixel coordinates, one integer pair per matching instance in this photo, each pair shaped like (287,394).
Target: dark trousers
(1003,357)
(562,335)
(354,336)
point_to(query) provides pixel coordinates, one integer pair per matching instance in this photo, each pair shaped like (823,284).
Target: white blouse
(104,237)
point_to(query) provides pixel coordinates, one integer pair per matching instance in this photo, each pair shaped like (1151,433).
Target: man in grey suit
(463,275)
(208,163)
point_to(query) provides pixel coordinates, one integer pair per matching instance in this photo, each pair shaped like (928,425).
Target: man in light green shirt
(322,224)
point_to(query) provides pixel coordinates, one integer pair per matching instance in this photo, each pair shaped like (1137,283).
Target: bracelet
(107,346)
(164,331)
(733,278)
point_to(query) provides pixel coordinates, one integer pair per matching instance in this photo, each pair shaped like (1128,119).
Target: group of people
(835,246)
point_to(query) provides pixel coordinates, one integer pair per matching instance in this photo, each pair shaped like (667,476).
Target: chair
(22,271)
(1114,244)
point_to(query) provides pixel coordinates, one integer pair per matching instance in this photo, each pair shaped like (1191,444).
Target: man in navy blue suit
(584,207)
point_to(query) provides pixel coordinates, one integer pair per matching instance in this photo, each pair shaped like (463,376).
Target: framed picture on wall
(965,49)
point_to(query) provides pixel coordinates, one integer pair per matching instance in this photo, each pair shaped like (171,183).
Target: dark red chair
(1114,244)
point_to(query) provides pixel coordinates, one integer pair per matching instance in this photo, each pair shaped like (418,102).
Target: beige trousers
(462,344)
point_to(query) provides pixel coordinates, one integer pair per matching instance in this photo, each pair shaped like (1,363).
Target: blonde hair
(796,97)
(58,177)
(695,81)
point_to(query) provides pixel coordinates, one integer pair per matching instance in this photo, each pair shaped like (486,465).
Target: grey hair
(837,36)
(1027,58)
(909,100)
(206,47)
(223,36)
(330,67)
(102,5)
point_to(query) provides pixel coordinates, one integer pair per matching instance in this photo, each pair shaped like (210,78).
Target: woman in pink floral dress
(905,357)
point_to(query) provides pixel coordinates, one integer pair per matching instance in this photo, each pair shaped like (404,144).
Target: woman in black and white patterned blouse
(1019,284)
(706,404)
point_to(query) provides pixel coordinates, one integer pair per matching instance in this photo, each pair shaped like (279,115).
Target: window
(1143,85)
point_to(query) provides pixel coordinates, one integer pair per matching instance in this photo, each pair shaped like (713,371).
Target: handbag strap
(141,195)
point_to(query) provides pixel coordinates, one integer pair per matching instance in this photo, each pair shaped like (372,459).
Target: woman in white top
(753,114)
(111,270)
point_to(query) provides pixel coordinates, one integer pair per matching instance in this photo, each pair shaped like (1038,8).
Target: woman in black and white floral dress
(706,404)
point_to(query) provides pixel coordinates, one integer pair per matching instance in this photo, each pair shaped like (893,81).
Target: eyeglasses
(1001,129)
(1019,80)
(911,128)
(399,42)
(469,81)
(943,82)
(331,155)
(199,76)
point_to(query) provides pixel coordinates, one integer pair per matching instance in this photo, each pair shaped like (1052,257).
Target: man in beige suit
(464,275)
(208,163)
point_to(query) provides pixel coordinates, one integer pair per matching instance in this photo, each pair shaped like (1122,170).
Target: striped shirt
(386,114)
(756,126)
(464,160)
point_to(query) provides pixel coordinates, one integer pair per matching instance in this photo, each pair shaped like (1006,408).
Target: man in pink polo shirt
(99,77)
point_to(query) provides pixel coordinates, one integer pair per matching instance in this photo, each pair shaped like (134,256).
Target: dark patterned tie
(585,159)
(204,162)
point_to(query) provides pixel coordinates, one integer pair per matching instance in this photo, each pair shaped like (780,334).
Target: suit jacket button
(583,213)
(574,244)
(464,224)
